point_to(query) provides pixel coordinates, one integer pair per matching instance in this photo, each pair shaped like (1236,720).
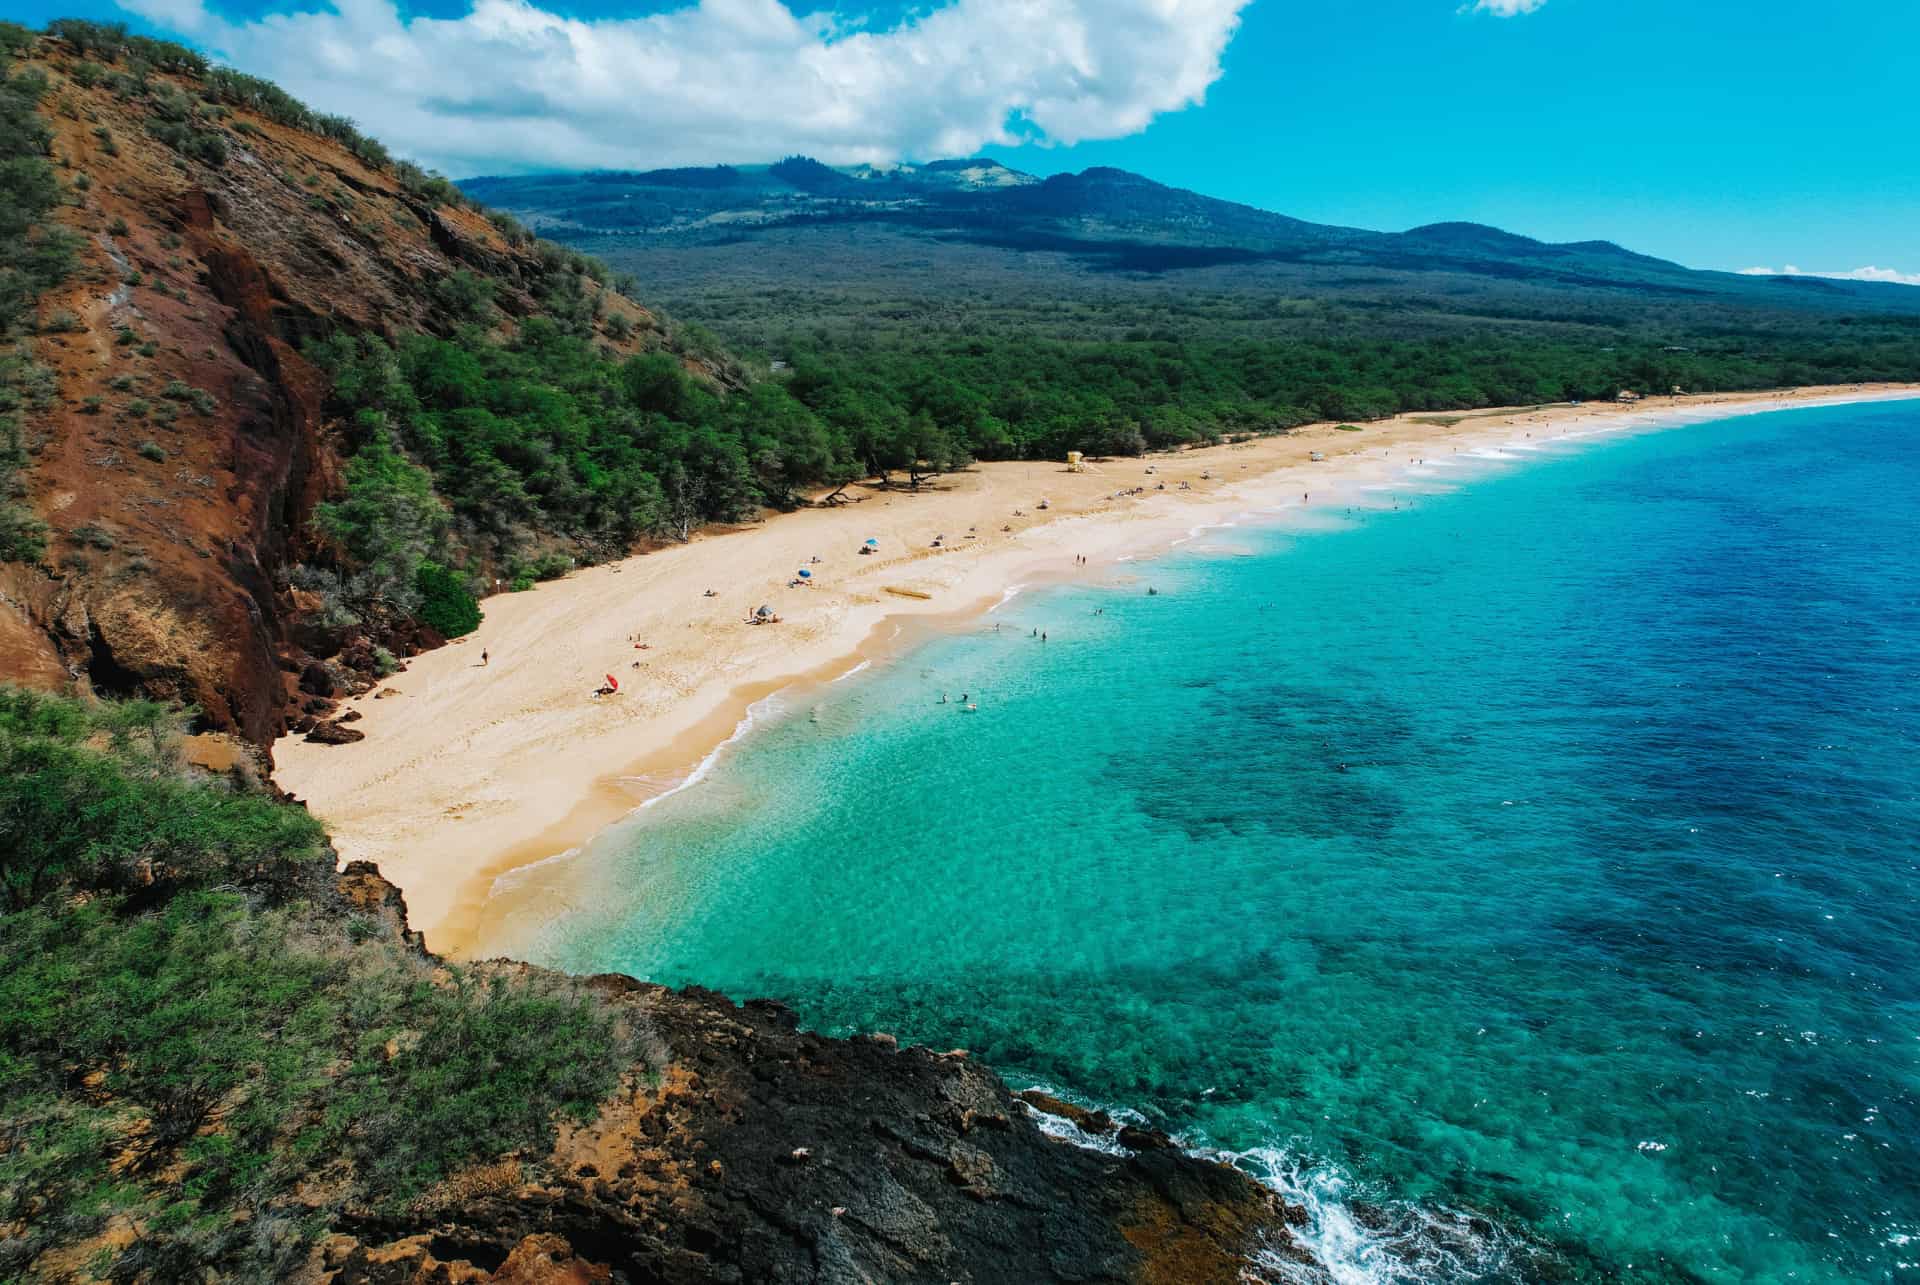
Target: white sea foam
(1397,1244)
(1007,595)
(865,664)
(1194,532)
(757,712)
(762,709)
(520,874)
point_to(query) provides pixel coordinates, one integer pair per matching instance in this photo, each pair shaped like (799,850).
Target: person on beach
(483,658)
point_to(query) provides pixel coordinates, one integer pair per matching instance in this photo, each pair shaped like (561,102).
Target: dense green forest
(546,435)
(199,1037)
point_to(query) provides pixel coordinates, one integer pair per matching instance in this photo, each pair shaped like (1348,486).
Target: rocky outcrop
(762,1152)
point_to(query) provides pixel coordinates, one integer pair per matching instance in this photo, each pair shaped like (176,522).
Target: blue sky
(1722,133)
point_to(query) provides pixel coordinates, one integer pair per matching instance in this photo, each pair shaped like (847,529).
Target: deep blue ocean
(1524,877)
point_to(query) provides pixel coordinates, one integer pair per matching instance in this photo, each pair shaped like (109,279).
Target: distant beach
(471,770)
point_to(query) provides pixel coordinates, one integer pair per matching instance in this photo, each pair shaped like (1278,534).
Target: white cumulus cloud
(1868,273)
(512,86)
(1506,8)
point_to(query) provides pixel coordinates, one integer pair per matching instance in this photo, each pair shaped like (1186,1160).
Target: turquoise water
(1546,850)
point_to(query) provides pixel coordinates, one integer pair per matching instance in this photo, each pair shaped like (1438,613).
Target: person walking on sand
(483,657)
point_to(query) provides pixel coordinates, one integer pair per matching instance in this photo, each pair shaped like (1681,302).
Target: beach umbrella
(805,574)
(613,682)
(873,544)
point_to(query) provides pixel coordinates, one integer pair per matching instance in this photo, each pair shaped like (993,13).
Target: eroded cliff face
(753,1151)
(185,445)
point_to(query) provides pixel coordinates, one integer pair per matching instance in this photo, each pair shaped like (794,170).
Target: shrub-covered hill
(221,1060)
(275,400)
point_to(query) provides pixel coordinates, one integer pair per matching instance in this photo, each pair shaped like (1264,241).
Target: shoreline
(519,747)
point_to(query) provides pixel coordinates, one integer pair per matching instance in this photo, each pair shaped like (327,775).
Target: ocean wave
(760,710)
(765,708)
(1350,1239)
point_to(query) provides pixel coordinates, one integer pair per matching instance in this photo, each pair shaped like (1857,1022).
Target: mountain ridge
(1104,206)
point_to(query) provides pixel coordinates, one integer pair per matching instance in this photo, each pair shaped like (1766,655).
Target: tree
(446,604)
(387,524)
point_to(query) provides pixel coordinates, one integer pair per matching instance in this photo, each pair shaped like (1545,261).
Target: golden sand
(470,770)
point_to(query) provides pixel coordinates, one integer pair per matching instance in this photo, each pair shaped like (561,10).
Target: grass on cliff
(203,1045)
(34,257)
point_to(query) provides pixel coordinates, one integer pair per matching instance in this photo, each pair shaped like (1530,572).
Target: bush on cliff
(445,603)
(130,821)
(199,1038)
(35,256)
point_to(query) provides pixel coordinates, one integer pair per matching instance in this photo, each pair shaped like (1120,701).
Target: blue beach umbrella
(873,544)
(805,574)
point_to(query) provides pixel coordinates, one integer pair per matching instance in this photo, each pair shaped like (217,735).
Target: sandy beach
(470,770)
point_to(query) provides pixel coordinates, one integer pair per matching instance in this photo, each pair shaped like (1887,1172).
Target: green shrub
(464,296)
(446,604)
(170,958)
(71,816)
(191,138)
(386,526)
(35,253)
(23,537)
(15,39)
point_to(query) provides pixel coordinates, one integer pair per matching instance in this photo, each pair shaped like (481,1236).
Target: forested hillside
(1107,312)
